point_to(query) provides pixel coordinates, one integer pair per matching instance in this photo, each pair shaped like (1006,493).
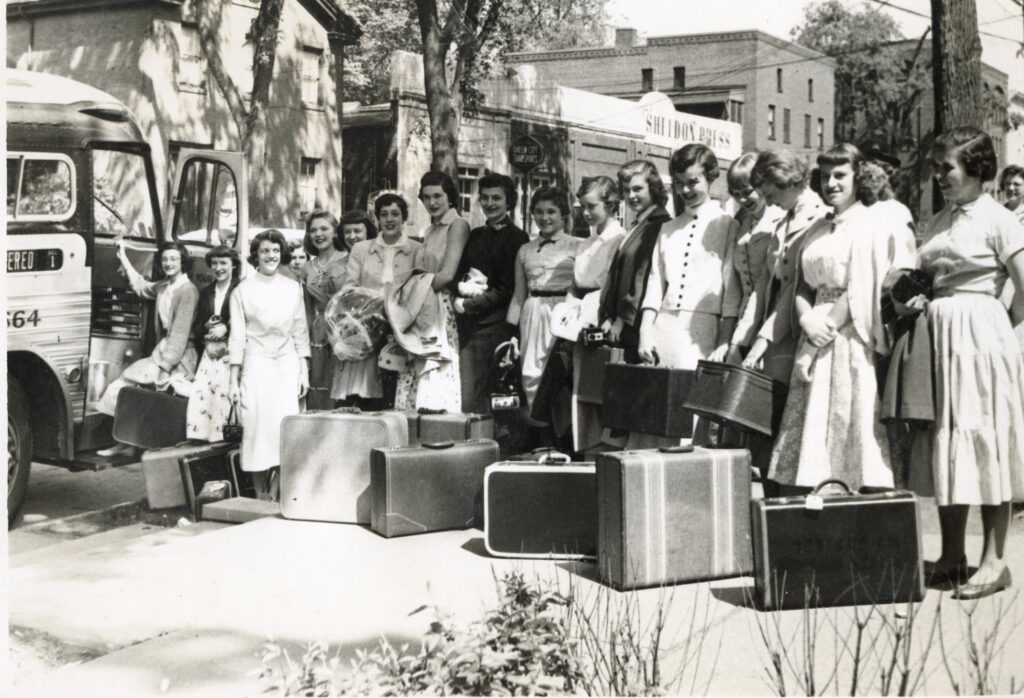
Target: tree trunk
(254,143)
(956,64)
(443,110)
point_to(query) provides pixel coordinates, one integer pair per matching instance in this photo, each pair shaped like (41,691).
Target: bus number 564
(20,318)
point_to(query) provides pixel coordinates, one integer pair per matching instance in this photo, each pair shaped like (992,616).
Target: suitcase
(837,550)
(325,462)
(434,487)
(540,511)
(438,426)
(739,397)
(658,392)
(148,418)
(212,463)
(673,515)
(161,472)
(589,371)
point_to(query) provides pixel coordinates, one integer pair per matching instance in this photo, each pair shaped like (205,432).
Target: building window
(778,80)
(679,77)
(736,112)
(810,89)
(469,178)
(771,122)
(785,125)
(807,130)
(307,186)
(192,66)
(311,60)
(821,134)
(647,79)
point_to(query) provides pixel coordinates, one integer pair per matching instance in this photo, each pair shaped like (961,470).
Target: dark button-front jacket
(205,310)
(491,251)
(627,278)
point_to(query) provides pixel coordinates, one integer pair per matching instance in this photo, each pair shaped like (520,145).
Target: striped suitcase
(673,515)
(325,462)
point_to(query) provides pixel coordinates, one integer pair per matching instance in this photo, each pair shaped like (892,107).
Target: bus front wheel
(19,446)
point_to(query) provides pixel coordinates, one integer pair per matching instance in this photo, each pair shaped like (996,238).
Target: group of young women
(795,283)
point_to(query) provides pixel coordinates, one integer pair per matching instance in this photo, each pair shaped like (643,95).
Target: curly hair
(1008,173)
(388,198)
(647,170)
(694,154)
(435,178)
(972,148)
(307,241)
(872,184)
(225,252)
(272,235)
(186,258)
(354,218)
(607,191)
(553,194)
(493,180)
(781,168)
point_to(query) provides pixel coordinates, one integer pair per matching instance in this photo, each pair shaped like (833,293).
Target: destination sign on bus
(34,260)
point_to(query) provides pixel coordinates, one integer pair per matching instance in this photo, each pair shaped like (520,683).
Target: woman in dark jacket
(209,404)
(645,194)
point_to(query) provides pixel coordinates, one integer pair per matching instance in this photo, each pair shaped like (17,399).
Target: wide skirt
(830,427)
(360,378)
(209,404)
(440,388)
(269,394)
(535,341)
(975,448)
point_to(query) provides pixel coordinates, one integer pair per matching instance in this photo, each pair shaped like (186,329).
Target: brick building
(780,92)
(147,53)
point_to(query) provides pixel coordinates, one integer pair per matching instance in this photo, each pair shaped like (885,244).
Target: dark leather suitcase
(739,397)
(207,463)
(589,371)
(430,426)
(149,418)
(673,515)
(540,511)
(433,487)
(647,399)
(325,462)
(161,474)
(837,550)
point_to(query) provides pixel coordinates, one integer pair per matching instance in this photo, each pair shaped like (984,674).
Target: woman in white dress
(268,350)
(830,427)
(975,449)
(209,405)
(443,242)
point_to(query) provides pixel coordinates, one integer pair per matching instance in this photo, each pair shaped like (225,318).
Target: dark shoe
(948,578)
(969,591)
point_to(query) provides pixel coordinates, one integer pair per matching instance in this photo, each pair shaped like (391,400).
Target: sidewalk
(180,614)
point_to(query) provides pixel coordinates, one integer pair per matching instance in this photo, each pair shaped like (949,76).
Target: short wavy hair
(388,198)
(436,178)
(355,217)
(307,241)
(694,154)
(553,194)
(738,175)
(781,168)
(1008,173)
(607,191)
(647,170)
(225,252)
(186,258)
(972,148)
(273,235)
(493,180)
(872,184)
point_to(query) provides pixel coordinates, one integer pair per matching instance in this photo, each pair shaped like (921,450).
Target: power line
(909,11)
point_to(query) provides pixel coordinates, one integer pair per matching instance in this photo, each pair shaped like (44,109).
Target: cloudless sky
(778,17)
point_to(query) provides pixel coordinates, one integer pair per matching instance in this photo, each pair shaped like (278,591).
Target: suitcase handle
(555,457)
(428,410)
(831,481)
(346,409)
(438,445)
(684,448)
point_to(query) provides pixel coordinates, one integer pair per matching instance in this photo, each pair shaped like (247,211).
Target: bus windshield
(122,205)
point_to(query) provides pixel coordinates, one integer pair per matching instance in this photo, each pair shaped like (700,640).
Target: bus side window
(40,187)
(122,200)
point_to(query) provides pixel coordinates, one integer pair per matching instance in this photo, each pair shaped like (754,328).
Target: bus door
(209,207)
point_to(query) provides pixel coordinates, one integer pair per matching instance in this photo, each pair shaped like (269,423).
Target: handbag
(232,429)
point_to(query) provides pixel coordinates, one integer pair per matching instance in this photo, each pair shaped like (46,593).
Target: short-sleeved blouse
(548,264)
(430,257)
(967,247)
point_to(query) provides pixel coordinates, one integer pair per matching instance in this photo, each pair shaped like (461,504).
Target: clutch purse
(232,429)
(914,283)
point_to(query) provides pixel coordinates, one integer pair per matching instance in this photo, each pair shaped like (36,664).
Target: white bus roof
(42,88)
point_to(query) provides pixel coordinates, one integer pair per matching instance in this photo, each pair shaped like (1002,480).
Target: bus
(79,179)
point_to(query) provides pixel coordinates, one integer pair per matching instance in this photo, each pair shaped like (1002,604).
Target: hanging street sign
(525,153)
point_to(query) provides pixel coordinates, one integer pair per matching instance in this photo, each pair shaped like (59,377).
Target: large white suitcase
(325,462)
